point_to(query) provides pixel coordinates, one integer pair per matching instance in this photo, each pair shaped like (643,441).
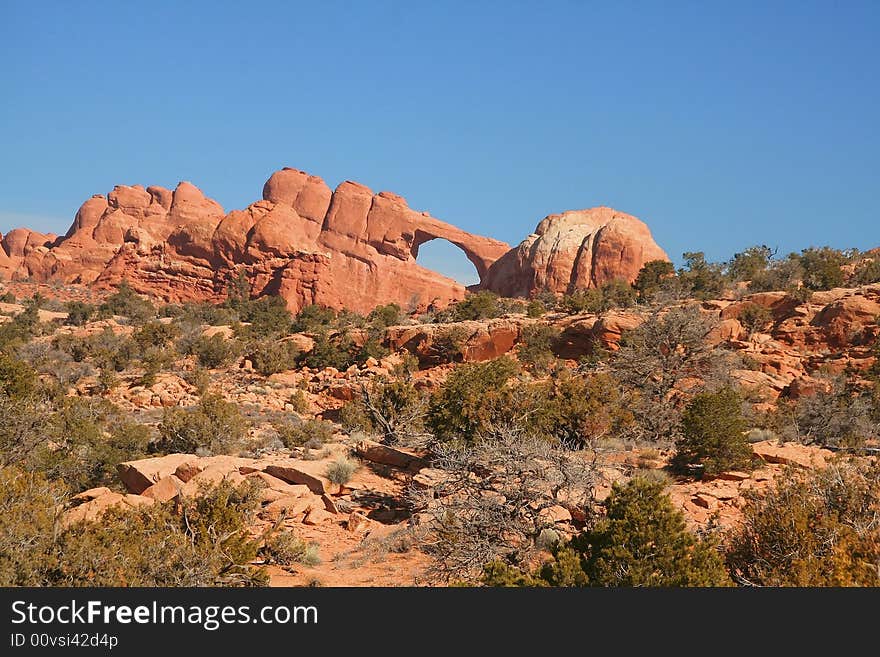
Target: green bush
(750,264)
(383,316)
(713,433)
(575,410)
(270,356)
(215,351)
(299,433)
(149,546)
(614,294)
(650,278)
(314,319)
(285,549)
(213,425)
(755,318)
(128,303)
(447,345)
(822,268)
(154,334)
(704,280)
(535,349)
(535,309)
(812,528)
(17,378)
(299,401)
(478,305)
(337,351)
(867,272)
(393,409)
(641,541)
(79,313)
(267,317)
(471,400)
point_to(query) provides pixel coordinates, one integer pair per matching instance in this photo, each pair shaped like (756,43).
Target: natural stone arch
(482,253)
(448,259)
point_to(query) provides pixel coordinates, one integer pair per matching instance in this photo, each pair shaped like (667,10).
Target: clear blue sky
(720,124)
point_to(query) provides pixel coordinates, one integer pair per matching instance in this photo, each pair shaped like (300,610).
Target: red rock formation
(349,248)
(575,250)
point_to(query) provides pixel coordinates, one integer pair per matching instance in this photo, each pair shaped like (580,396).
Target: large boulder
(577,249)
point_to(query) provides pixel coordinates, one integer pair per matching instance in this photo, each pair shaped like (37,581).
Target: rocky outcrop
(575,250)
(312,245)
(344,248)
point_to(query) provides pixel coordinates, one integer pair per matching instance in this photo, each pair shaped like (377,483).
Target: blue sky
(722,125)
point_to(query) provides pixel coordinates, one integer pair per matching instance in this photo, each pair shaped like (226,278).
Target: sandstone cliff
(345,248)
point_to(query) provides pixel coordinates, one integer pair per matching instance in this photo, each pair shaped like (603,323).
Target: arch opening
(446,258)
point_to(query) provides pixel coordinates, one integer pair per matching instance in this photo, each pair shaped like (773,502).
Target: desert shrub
(23,326)
(641,541)
(394,409)
(83,441)
(575,411)
(750,264)
(79,313)
(154,334)
(217,522)
(472,399)
(535,309)
(822,268)
(270,356)
(45,359)
(28,520)
(838,417)
(780,275)
(107,349)
(199,378)
(127,303)
(755,317)
(108,380)
(703,279)
(75,439)
(341,470)
(215,350)
(267,317)
(491,500)
(213,425)
(535,349)
(447,345)
(866,272)
(509,306)
(296,433)
(335,351)
(812,528)
(314,319)
(713,433)
(383,316)
(354,417)
(201,313)
(478,305)
(653,359)
(613,294)
(651,277)
(17,378)
(372,348)
(299,402)
(285,549)
(7,297)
